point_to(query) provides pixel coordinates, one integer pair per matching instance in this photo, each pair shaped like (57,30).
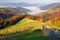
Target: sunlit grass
(25,24)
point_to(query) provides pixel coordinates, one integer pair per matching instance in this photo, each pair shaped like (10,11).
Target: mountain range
(19,4)
(49,6)
(31,9)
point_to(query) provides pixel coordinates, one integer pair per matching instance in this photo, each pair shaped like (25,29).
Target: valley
(26,23)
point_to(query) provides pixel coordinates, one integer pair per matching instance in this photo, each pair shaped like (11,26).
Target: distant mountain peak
(50,6)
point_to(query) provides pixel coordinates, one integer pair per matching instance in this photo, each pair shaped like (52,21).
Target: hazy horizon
(30,1)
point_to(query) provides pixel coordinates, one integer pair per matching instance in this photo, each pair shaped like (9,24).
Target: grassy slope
(25,24)
(26,35)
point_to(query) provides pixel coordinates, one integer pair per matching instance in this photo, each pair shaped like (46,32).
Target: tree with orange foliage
(38,18)
(29,16)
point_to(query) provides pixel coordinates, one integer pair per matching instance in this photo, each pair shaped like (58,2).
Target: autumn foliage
(38,18)
(9,18)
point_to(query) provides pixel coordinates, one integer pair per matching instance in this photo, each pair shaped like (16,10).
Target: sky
(29,1)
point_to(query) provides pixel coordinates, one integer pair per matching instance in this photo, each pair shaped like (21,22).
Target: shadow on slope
(27,35)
